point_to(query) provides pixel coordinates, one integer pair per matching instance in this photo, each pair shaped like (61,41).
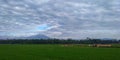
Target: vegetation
(58,49)
(58,41)
(56,52)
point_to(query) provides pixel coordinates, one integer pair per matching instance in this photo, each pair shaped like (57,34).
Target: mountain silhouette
(38,36)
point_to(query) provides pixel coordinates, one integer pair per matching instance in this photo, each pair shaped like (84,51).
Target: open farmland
(57,52)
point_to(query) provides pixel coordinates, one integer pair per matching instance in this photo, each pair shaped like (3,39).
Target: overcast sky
(60,18)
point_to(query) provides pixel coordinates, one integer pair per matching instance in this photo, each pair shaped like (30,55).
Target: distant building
(101,45)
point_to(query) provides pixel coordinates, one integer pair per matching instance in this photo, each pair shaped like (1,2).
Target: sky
(76,19)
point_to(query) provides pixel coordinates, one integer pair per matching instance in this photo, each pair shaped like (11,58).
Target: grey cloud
(66,18)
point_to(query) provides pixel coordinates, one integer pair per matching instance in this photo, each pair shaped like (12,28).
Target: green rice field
(57,52)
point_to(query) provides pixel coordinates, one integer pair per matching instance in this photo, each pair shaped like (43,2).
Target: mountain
(39,36)
(108,39)
(6,37)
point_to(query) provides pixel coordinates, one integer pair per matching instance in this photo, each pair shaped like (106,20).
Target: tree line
(58,41)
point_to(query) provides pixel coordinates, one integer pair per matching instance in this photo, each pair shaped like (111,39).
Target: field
(57,52)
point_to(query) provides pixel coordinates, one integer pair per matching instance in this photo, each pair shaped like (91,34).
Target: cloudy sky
(60,18)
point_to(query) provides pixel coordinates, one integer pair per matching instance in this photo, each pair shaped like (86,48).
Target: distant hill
(108,39)
(39,36)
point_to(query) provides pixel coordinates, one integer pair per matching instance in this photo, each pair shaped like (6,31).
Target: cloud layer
(60,18)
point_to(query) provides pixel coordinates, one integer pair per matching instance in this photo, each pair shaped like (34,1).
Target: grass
(57,52)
